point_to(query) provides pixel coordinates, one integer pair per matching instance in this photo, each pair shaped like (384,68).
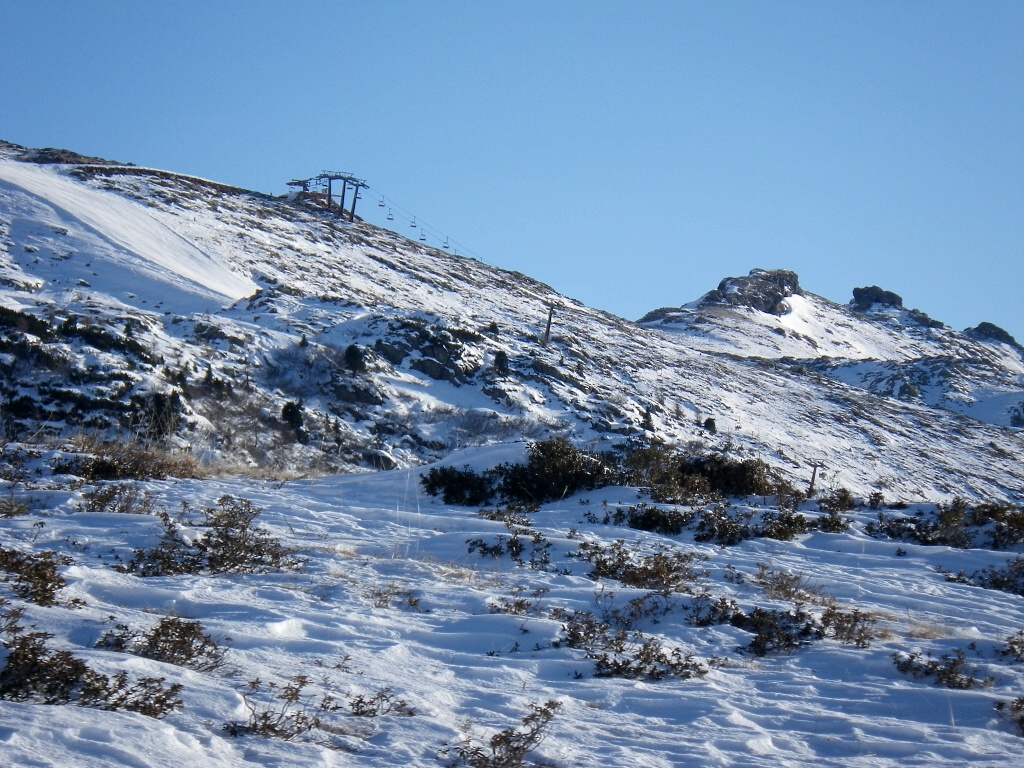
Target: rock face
(763,289)
(992,332)
(865,298)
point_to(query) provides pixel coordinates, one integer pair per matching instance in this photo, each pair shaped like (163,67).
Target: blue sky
(629,154)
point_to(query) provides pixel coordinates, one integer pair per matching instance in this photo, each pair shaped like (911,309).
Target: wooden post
(355,196)
(814,476)
(547,331)
(344,191)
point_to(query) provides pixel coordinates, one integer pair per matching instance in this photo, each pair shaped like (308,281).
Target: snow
(374,541)
(390,595)
(146,246)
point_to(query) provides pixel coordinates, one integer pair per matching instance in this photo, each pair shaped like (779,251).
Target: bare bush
(509,748)
(281,712)
(120,498)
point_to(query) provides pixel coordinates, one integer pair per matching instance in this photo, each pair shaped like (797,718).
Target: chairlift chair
(391,216)
(445,244)
(423,237)
(381,203)
(413,222)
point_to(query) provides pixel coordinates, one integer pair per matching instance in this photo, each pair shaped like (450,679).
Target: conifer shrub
(851,627)
(663,569)
(228,541)
(1014,648)
(778,631)
(837,500)
(554,469)
(1013,710)
(355,358)
(668,522)
(501,365)
(1009,578)
(34,673)
(717,525)
(463,487)
(1003,523)
(949,671)
(729,477)
(171,640)
(12,507)
(34,577)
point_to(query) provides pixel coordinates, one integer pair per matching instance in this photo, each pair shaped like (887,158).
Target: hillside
(594,548)
(196,312)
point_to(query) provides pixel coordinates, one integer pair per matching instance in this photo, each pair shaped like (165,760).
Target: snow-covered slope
(453,349)
(392,602)
(873,343)
(262,334)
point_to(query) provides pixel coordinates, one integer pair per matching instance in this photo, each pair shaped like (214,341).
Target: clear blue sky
(629,154)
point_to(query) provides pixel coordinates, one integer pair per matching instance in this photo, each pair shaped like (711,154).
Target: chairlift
(445,244)
(381,203)
(413,222)
(423,237)
(391,216)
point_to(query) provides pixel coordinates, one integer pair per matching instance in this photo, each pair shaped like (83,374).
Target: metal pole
(328,193)
(344,190)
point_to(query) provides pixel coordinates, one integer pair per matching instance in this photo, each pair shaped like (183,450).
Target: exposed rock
(992,332)
(865,298)
(51,155)
(764,290)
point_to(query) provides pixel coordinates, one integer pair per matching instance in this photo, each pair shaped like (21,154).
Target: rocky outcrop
(763,289)
(992,332)
(865,298)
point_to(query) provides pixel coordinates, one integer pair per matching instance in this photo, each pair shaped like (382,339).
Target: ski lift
(423,237)
(413,222)
(381,203)
(391,216)
(445,244)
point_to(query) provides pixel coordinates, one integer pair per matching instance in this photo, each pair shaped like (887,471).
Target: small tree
(355,358)
(501,363)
